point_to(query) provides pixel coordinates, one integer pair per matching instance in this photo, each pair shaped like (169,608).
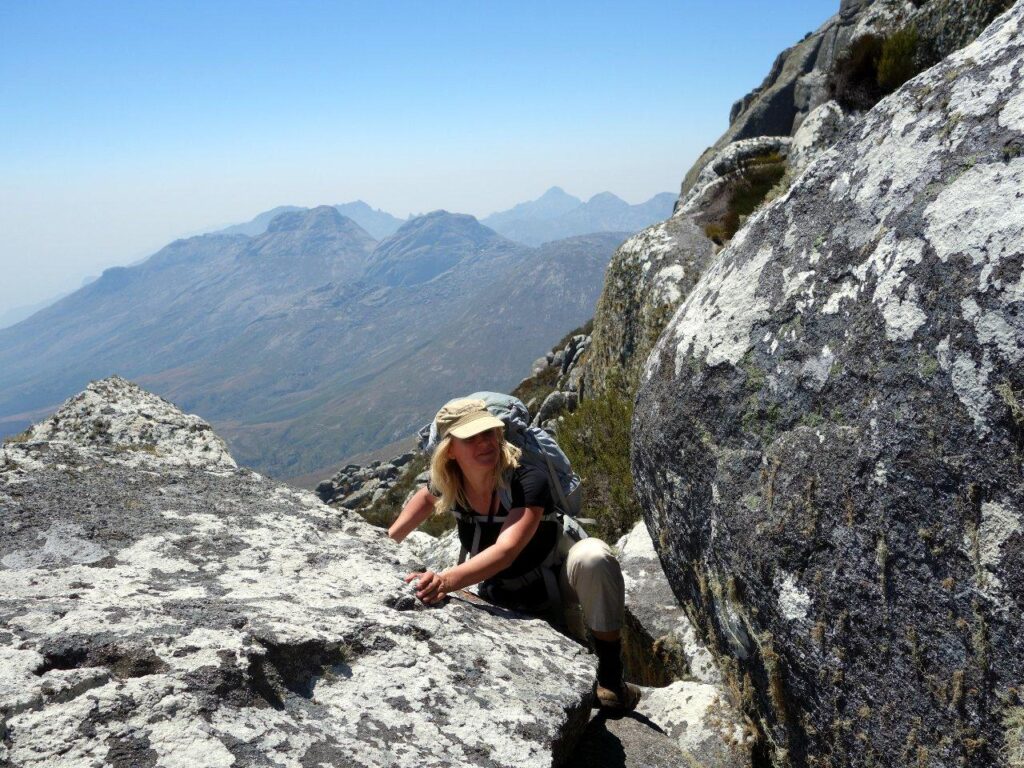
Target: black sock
(609,663)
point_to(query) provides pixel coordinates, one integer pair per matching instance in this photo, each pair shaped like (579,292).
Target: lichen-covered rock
(822,128)
(647,279)
(436,553)
(158,608)
(828,442)
(670,649)
(119,418)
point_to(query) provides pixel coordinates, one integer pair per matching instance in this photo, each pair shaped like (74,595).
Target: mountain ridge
(275,337)
(603,212)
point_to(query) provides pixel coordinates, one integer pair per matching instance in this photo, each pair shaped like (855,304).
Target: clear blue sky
(127,124)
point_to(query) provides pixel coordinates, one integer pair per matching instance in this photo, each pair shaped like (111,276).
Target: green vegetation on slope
(875,66)
(596,439)
(759,176)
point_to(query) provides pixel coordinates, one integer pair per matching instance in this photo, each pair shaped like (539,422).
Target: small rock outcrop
(554,386)
(828,440)
(356,486)
(648,277)
(822,128)
(159,605)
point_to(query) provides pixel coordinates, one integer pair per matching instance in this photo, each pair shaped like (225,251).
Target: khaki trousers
(593,592)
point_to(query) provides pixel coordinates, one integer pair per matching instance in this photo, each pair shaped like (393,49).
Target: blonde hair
(446,475)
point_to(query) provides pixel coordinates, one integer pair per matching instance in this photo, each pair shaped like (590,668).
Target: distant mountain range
(312,339)
(555,215)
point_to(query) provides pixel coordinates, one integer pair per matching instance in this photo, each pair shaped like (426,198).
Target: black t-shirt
(529,487)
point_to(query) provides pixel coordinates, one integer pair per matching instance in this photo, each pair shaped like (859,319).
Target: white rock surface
(700,718)
(173,610)
(819,131)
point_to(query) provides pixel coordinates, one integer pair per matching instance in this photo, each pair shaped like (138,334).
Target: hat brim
(480,424)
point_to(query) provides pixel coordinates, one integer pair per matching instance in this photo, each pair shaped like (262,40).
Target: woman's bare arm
(419,508)
(517,531)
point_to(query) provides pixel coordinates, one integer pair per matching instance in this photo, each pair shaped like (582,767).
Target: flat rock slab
(159,607)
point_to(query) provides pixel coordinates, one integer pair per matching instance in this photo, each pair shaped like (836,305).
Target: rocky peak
(428,245)
(437,225)
(317,224)
(323,217)
(554,202)
(116,416)
(317,241)
(606,202)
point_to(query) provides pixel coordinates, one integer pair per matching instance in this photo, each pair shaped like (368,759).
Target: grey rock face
(160,609)
(648,277)
(822,128)
(827,443)
(798,81)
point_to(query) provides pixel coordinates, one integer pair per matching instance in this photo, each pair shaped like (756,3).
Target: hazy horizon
(129,126)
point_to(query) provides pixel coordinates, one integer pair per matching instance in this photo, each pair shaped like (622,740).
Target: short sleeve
(530,488)
(432,488)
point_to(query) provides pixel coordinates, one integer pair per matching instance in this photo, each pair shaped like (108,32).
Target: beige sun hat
(464,418)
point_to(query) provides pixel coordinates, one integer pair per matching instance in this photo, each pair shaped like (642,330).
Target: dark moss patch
(898,60)
(875,66)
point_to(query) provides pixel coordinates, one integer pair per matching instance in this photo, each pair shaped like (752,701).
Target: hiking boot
(622,699)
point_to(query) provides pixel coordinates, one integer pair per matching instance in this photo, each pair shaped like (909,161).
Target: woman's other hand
(432,587)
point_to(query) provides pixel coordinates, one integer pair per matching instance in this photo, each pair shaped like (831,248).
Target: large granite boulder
(160,606)
(828,441)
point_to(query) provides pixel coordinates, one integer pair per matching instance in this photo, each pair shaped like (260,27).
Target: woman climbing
(520,558)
